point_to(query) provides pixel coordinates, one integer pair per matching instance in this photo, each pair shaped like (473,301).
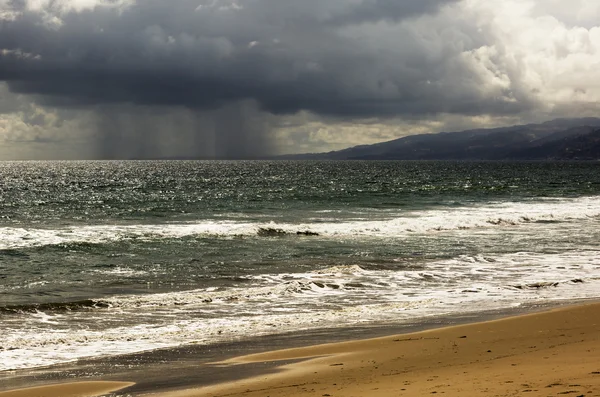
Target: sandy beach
(552,353)
(545,354)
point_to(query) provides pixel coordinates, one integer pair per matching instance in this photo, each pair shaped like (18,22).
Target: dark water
(112,257)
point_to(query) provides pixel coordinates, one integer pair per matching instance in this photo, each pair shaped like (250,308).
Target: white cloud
(307,133)
(583,13)
(30,131)
(534,52)
(63,6)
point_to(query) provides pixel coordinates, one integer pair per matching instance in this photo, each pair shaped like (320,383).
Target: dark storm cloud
(377,10)
(337,57)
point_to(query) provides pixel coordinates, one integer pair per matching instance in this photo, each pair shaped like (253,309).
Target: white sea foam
(338,296)
(424,221)
(120,271)
(33,349)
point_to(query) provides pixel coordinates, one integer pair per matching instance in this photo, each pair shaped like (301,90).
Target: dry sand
(554,353)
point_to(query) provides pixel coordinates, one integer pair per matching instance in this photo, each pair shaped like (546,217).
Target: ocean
(115,257)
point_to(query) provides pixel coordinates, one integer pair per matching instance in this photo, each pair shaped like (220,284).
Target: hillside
(556,139)
(580,147)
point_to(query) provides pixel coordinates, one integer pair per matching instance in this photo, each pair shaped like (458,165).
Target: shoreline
(555,352)
(276,358)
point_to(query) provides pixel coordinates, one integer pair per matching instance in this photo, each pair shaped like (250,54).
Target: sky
(121,79)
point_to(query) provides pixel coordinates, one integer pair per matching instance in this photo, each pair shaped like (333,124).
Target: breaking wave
(425,221)
(53,307)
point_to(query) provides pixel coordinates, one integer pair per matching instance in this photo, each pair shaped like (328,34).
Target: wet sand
(552,353)
(76,389)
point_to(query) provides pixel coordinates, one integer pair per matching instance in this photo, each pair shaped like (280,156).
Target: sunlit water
(102,258)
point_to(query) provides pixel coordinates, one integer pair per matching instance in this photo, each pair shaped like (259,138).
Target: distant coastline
(560,139)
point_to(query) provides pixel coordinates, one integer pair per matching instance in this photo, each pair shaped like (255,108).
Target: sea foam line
(468,217)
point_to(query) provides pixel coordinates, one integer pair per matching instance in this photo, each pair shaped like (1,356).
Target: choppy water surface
(114,257)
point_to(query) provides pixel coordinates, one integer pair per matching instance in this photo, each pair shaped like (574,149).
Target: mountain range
(560,139)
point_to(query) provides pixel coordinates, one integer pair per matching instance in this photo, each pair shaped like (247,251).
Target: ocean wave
(520,271)
(228,295)
(546,284)
(194,297)
(332,280)
(335,296)
(33,347)
(426,221)
(86,304)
